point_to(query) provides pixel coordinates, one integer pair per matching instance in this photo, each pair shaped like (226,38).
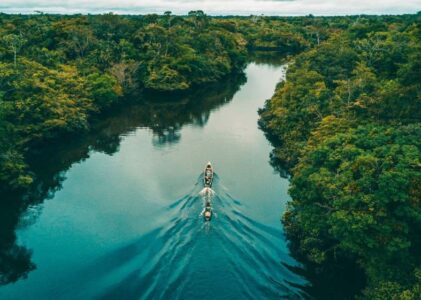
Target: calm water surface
(117,215)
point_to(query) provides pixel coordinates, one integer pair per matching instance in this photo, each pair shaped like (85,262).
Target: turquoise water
(117,212)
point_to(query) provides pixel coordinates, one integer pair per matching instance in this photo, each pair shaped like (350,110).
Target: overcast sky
(215,7)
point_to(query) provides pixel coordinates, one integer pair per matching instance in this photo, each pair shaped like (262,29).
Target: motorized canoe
(208,175)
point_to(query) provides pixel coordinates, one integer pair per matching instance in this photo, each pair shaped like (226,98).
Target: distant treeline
(347,125)
(59,73)
(346,121)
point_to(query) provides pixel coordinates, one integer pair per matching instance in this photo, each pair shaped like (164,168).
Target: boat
(208,175)
(207,212)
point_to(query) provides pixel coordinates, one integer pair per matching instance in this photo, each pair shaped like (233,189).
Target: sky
(215,7)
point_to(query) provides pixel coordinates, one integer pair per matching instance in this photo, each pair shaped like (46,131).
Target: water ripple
(180,258)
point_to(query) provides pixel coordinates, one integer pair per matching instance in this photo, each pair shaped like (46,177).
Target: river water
(116,213)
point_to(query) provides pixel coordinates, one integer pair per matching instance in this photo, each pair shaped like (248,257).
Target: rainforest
(342,115)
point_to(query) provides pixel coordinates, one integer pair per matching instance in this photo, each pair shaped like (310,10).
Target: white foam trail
(207,192)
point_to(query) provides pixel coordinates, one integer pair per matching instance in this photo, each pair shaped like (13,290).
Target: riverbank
(346,125)
(59,72)
(122,202)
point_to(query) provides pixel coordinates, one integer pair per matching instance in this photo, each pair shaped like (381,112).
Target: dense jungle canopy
(346,123)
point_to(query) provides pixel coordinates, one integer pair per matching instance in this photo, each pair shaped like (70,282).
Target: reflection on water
(15,260)
(268,58)
(165,116)
(113,228)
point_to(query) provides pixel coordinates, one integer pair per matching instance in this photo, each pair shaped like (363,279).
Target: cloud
(215,7)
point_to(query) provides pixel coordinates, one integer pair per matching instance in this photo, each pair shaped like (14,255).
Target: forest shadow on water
(162,114)
(233,255)
(272,58)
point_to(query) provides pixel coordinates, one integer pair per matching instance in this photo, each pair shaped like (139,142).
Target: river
(116,212)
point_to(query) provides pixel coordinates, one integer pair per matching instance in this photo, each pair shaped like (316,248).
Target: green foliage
(273,34)
(346,121)
(103,89)
(56,72)
(395,291)
(44,102)
(368,189)
(347,124)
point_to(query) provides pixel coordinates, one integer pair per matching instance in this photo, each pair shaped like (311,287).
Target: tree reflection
(165,115)
(337,278)
(15,260)
(166,136)
(273,58)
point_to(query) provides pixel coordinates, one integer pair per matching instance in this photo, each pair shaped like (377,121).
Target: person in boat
(208,214)
(208,174)
(207,211)
(208,170)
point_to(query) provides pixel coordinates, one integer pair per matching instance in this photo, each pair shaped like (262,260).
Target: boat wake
(206,192)
(179,259)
